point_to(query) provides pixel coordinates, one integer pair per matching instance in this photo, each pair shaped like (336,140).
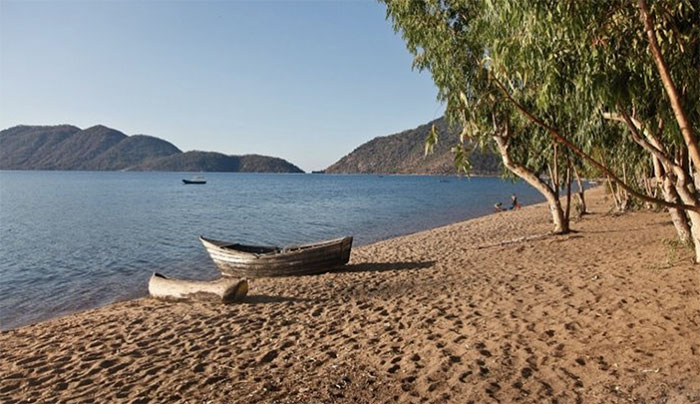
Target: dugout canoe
(249,261)
(224,290)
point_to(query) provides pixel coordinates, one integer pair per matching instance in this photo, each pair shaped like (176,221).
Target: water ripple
(76,240)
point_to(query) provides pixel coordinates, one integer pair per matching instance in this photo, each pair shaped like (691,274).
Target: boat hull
(193,182)
(261,262)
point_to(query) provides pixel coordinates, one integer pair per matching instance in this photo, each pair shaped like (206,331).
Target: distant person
(514,205)
(498,207)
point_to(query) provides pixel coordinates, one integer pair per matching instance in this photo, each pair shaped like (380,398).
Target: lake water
(76,240)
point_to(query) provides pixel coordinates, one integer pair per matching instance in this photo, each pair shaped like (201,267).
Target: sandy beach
(609,314)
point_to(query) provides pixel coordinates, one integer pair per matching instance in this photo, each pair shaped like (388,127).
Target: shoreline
(142,293)
(135,295)
(607,314)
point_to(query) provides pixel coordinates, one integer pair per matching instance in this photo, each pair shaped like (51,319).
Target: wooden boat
(249,261)
(225,290)
(195,180)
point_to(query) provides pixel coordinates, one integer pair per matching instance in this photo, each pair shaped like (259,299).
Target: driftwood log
(225,290)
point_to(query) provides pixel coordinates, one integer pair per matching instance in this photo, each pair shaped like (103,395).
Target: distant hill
(132,151)
(403,153)
(211,161)
(29,146)
(66,147)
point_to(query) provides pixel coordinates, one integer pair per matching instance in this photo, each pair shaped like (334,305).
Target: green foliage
(462,162)
(461,151)
(431,140)
(450,39)
(565,62)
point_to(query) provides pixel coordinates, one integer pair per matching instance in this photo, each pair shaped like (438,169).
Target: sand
(610,314)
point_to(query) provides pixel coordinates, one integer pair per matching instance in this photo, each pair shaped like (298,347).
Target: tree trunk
(580,193)
(561,225)
(689,198)
(568,190)
(624,196)
(683,187)
(613,193)
(678,217)
(556,169)
(686,192)
(561,222)
(684,157)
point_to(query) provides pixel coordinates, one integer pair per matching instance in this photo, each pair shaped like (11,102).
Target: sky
(307,81)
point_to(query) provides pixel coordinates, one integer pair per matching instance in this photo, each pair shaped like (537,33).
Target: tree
(611,50)
(445,43)
(563,67)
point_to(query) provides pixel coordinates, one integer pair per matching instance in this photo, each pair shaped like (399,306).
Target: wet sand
(610,314)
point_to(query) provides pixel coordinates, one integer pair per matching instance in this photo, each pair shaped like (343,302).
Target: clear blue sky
(306,81)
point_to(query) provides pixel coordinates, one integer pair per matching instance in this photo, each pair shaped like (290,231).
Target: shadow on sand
(385,266)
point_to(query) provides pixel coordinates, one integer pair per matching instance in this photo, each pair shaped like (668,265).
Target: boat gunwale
(280,252)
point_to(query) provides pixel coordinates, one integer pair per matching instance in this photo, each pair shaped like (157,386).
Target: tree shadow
(385,266)
(263,299)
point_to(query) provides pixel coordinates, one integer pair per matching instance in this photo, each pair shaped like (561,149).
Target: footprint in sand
(269,356)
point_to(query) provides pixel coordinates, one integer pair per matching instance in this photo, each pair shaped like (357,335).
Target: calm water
(77,240)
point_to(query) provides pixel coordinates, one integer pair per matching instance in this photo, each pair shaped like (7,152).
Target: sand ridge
(605,315)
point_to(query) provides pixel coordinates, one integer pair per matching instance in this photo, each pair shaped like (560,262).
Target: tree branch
(683,122)
(633,125)
(557,136)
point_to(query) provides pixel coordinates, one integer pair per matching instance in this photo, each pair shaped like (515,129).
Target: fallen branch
(223,290)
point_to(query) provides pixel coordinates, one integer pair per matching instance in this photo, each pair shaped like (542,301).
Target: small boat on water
(195,180)
(234,259)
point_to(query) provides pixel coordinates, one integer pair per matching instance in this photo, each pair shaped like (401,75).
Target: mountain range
(403,153)
(67,147)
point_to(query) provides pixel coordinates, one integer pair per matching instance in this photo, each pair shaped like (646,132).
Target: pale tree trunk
(684,157)
(613,193)
(683,184)
(678,217)
(568,189)
(561,225)
(580,193)
(689,198)
(555,164)
(624,196)
(619,194)
(686,192)
(649,189)
(674,167)
(668,189)
(670,173)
